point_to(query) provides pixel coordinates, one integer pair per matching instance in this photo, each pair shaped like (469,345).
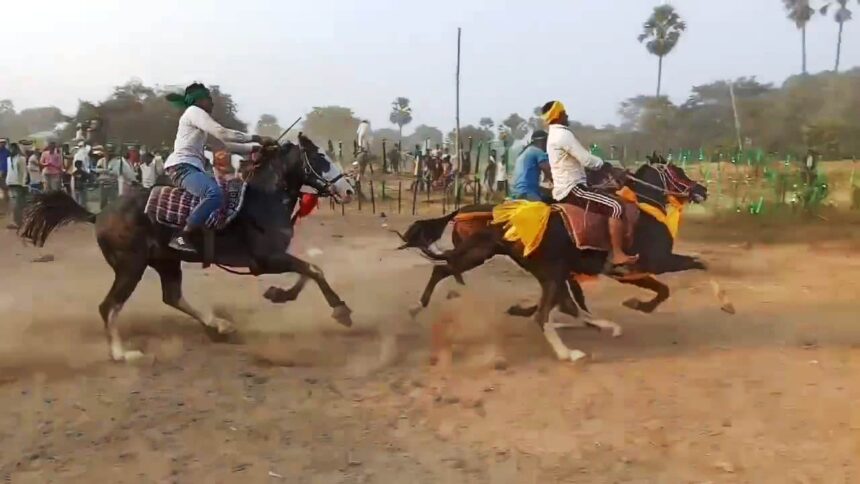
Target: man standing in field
(52,167)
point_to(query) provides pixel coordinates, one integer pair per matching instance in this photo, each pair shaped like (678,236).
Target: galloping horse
(257,239)
(557,262)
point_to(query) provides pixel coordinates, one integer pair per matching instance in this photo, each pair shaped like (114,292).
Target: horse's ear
(652,158)
(662,160)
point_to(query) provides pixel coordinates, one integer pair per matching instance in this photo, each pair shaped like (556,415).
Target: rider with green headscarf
(186,164)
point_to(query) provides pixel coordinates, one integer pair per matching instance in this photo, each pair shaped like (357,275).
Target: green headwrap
(189,98)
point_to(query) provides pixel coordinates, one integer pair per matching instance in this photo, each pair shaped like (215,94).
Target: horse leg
(577,297)
(569,304)
(548,301)
(126,278)
(649,282)
(471,254)
(283,263)
(170,272)
(278,295)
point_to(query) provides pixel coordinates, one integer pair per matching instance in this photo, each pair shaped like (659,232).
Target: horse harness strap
(208,247)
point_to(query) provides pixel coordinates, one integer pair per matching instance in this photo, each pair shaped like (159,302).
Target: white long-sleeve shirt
(568,160)
(364,136)
(194,125)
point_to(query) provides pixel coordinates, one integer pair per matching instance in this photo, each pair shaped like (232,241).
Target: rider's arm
(572,147)
(543,164)
(202,120)
(240,148)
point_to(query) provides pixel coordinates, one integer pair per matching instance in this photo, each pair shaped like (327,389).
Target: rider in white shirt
(568,160)
(186,165)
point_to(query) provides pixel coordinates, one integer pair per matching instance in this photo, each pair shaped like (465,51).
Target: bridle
(672,186)
(314,179)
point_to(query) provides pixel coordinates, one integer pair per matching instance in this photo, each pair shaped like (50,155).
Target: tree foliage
(661,33)
(336,123)
(401,113)
(268,125)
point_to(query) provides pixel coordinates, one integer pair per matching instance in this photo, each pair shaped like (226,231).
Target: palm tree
(662,30)
(800,12)
(401,114)
(841,16)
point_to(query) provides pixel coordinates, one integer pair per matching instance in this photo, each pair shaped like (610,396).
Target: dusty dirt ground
(688,394)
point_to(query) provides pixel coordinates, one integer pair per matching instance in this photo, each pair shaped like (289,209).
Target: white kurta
(568,160)
(194,125)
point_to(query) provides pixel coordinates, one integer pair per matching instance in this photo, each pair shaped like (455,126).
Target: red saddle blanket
(590,230)
(171,205)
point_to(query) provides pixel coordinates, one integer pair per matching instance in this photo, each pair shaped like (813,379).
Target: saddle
(170,206)
(590,230)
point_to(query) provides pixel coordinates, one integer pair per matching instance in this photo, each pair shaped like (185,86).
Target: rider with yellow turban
(568,160)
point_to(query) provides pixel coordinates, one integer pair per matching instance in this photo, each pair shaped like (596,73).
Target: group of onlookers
(25,169)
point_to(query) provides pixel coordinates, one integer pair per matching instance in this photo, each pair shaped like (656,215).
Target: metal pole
(457,145)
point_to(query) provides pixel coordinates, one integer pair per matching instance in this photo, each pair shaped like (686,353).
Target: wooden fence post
(399,196)
(372,198)
(384,163)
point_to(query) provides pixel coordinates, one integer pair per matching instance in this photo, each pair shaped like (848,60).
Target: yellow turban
(553,113)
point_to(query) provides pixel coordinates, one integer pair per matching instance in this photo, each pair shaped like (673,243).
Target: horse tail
(423,233)
(48,211)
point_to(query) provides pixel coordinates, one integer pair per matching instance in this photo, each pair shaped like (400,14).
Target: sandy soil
(688,394)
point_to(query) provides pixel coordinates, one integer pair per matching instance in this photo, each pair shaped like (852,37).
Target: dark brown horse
(257,239)
(557,262)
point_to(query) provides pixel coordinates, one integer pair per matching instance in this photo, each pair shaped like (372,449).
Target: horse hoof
(413,312)
(728,308)
(633,304)
(577,356)
(341,314)
(278,295)
(132,356)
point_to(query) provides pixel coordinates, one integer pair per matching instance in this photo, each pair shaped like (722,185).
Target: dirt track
(689,394)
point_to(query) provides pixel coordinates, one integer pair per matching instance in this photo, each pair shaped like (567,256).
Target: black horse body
(257,239)
(557,261)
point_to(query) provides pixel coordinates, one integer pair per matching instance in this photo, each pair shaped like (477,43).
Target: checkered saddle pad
(171,205)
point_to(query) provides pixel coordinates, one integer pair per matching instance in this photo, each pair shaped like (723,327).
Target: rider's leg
(206,188)
(610,206)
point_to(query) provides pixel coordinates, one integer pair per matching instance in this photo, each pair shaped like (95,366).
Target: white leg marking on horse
(117,352)
(207,318)
(562,352)
(604,324)
(561,320)
(551,335)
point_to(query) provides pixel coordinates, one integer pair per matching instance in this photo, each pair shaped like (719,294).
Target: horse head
(324,175)
(659,178)
(288,167)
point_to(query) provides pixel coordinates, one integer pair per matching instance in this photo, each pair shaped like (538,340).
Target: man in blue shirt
(4,160)
(533,161)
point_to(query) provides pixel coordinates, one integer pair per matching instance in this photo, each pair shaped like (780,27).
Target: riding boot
(182,242)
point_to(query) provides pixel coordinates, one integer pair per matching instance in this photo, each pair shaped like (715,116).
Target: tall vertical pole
(457,144)
(737,118)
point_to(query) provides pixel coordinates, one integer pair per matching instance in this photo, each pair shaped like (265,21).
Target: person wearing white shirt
(364,138)
(150,169)
(186,165)
(568,160)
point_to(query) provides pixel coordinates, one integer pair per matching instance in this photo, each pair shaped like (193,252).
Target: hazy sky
(286,56)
